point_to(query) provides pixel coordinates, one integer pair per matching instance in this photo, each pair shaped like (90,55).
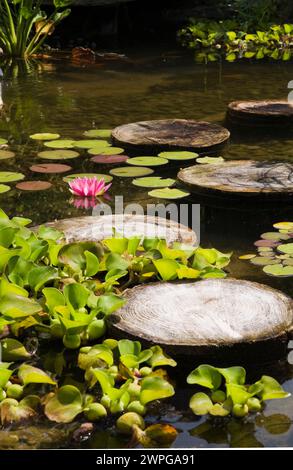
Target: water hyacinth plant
(88,187)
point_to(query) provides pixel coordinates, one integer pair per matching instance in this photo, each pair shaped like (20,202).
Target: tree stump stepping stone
(170,134)
(265,179)
(261,113)
(207,317)
(96,228)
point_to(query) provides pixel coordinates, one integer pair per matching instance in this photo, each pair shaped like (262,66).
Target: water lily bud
(134,389)
(56,329)
(126,422)
(2,394)
(239,411)
(137,407)
(95,412)
(96,329)
(106,401)
(14,391)
(71,341)
(254,404)
(144,371)
(218,396)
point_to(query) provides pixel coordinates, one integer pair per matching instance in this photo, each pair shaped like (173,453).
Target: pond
(68,98)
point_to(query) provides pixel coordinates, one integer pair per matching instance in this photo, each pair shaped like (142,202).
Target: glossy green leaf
(109,303)
(159,358)
(105,151)
(286,248)
(92,263)
(153,182)
(64,405)
(95,357)
(155,388)
(60,144)
(115,261)
(206,376)
(238,393)
(44,136)
(177,155)
(200,403)
(167,268)
(10,176)
(54,298)
(13,350)
(76,295)
(279,270)
(5,375)
(29,374)
(271,389)
(234,375)
(127,346)
(147,161)
(116,245)
(17,306)
(92,144)
(42,275)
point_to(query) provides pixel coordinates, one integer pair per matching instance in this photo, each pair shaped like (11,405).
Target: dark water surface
(59,96)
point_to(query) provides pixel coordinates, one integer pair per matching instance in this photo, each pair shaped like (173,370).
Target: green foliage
(236,398)
(24,25)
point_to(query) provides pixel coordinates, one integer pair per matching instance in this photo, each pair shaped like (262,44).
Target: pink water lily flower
(88,187)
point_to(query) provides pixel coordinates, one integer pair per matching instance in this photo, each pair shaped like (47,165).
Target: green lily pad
(274,236)
(168,193)
(265,249)
(178,155)
(4,188)
(3,141)
(105,151)
(288,262)
(89,144)
(104,133)
(5,154)
(9,176)
(286,248)
(60,144)
(263,261)
(125,171)
(98,176)
(284,225)
(210,160)
(44,136)
(147,161)
(58,154)
(153,182)
(248,256)
(278,270)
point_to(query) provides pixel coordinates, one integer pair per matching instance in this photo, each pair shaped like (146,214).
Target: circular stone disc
(99,227)
(264,112)
(50,168)
(34,185)
(190,317)
(170,134)
(241,177)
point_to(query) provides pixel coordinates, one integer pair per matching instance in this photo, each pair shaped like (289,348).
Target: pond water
(69,98)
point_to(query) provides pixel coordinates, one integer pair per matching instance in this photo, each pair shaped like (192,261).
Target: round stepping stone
(205,317)
(170,134)
(241,178)
(95,228)
(261,113)
(50,168)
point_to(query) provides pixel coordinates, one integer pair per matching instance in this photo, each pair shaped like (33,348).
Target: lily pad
(248,256)
(147,161)
(109,159)
(5,154)
(278,270)
(269,243)
(58,154)
(9,176)
(4,188)
(168,193)
(34,185)
(50,168)
(44,136)
(263,261)
(105,151)
(60,144)
(178,155)
(210,160)
(131,172)
(274,236)
(89,144)
(284,225)
(104,133)
(99,176)
(286,248)
(153,182)
(3,141)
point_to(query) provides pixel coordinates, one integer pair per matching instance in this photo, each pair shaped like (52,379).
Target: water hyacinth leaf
(49,233)
(6,154)
(4,188)
(187,273)
(41,275)
(167,268)
(98,176)
(234,375)
(238,393)
(109,159)
(127,346)
(10,176)
(210,160)
(44,136)
(131,172)
(64,405)
(50,168)
(147,161)
(73,254)
(61,154)
(13,350)
(60,144)
(206,376)
(29,374)
(12,411)
(92,263)
(95,357)
(153,182)
(156,435)
(200,403)
(76,295)
(287,248)
(106,151)
(34,185)
(99,133)
(5,375)
(278,270)
(284,225)
(105,380)
(159,358)
(177,155)
(116,245)
(109,303)
(271,389)
(54,298)
(3,141)
(155,388)
(263,260)
(115,261)
(16,306)
(168,193)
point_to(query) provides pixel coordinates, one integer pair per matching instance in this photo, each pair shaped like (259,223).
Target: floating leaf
(99,176)
(12,411)
(248,256)
(105,151)
(263,260)
(235,374)
(4,188)
(3,141)
(10,176)
(271,389)
(60,144)
(155,388)
(206,376)
(104,133)
(177,155)
(29,374)
(274,236)
(5,154)
(65,405)
(167,268)
(210,160)
(13,350)
(109,159)
(287,248)
(34,185)
(131,172)
(153,182)
(278,270)
(159,358)
(91,144)
(200,403)
(168,193)
(147,161)
(284,225)
(50,168)
(58,154)
(96,356)
(44,136)
(266,243)
(41,275)
(4,376)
